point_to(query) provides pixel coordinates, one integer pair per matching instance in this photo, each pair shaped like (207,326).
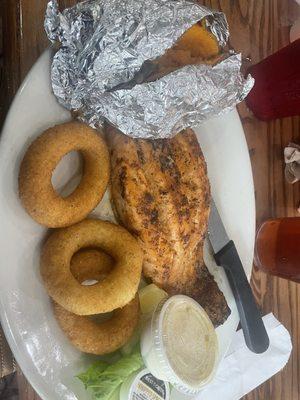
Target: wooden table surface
(258,28)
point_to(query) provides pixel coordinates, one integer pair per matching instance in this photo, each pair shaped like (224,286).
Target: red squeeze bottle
(276,92)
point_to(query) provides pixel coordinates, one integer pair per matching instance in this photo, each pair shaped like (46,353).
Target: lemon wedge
(150,296)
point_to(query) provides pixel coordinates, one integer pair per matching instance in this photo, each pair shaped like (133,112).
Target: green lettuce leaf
(93,373)
(103,379)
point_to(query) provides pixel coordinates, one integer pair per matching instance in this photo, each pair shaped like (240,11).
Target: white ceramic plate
(41,349)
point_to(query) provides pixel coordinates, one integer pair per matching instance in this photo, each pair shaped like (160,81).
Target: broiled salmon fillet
(160,191)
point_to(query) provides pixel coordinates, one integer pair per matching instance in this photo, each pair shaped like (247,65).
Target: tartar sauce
(180,345)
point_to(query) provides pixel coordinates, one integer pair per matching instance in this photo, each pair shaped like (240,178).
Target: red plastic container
(276,93)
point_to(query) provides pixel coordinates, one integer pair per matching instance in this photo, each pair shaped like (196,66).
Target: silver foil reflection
(104,43)
(177,101)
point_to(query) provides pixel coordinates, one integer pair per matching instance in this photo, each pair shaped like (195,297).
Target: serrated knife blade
(216,231)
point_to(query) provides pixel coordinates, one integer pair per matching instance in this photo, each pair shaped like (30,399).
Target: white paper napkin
(241,371)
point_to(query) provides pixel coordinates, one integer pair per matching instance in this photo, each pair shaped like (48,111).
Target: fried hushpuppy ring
(91,264)
(88,335)
(115,291)
(91,336)
(36,191)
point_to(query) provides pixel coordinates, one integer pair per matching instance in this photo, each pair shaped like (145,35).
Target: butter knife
(226,256)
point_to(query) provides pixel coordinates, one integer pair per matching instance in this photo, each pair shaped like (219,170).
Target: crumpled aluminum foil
(105,43)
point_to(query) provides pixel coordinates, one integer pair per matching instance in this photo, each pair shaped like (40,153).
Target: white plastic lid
(173,333)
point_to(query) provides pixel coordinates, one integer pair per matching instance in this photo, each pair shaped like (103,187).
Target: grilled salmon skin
(160,191)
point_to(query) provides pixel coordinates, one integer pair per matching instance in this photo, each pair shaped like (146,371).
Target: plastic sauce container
(179,344)
(144,386)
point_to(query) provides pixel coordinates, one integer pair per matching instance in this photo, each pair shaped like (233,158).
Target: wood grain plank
(10,57)
(26,392)
(33,38)
(258,28)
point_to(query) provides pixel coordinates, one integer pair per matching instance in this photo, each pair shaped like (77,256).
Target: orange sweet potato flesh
(199,42)
(195,46)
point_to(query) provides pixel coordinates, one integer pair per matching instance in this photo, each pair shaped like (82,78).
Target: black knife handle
(254,330)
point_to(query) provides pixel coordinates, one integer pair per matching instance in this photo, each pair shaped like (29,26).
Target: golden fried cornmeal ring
(86,334)
(99,337)
(36,191)
(114,291)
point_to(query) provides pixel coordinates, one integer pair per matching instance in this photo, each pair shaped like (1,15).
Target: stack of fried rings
(86,334)
(90,249)
(64,266)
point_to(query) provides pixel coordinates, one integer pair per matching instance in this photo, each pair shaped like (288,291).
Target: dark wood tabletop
(258,28)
